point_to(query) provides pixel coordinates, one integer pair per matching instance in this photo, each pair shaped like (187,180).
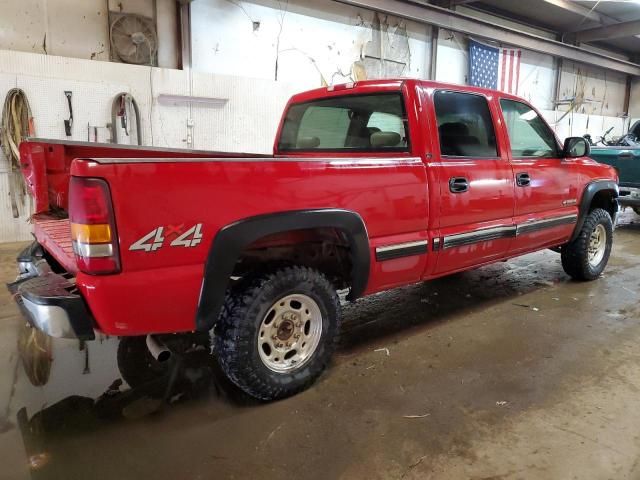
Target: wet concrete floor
(511,371)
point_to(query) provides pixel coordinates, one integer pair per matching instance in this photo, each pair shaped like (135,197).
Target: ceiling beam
(510,16)
(452,3)
(583,11)
(423,12)
(618,30)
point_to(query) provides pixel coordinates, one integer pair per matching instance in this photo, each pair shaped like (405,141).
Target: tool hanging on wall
(68,124)
(17,123)
(122,106)
(94,135)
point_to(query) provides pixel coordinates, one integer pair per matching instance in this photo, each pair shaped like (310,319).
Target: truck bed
(54,234)
(46,164)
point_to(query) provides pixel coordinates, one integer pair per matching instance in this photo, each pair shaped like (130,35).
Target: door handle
(625,156)
(523,179)
(458,184)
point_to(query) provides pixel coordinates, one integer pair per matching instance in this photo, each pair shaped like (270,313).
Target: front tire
(586,257)
(637,210)
(277,332)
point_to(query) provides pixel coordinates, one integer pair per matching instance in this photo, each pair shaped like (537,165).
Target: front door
(628,166)
(546,185)
(475,181)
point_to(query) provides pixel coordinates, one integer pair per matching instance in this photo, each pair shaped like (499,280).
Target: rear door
(546,185)
(475,182)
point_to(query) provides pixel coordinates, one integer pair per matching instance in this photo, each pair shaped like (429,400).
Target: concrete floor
(508,372)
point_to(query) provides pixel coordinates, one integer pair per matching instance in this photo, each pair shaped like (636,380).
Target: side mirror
(575,147)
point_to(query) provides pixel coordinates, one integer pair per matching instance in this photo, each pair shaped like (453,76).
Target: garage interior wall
(311,46)
(327,43)
(242,124)
(259,53)
(634,104)
(75,29)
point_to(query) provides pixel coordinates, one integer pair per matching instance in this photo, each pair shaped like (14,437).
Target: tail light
(93,228)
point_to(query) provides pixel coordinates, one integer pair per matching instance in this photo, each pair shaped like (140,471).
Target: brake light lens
(93,230)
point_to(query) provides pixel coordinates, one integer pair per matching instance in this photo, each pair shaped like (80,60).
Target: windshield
(348,123)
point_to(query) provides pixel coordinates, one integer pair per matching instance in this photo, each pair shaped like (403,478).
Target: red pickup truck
(371,185)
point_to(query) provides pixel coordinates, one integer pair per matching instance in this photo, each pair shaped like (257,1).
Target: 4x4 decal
(155,239)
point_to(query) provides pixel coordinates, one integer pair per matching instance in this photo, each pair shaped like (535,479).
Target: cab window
(348,123)
(529,135)
(465,127)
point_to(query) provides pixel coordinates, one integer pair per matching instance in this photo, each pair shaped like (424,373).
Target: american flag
(493,67)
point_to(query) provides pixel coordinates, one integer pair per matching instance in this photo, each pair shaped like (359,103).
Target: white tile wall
(247,123)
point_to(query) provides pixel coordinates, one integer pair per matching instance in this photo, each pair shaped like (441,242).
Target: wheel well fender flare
(232,239)
(590,191)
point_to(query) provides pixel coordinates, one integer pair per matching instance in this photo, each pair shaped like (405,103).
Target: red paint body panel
(46,164)
(402,197)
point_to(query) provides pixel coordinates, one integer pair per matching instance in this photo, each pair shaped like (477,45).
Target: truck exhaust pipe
(158,350)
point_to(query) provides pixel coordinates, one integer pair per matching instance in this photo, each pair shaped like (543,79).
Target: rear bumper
(49,300)
(629,197)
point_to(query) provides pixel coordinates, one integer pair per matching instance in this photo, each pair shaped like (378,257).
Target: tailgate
(55,236)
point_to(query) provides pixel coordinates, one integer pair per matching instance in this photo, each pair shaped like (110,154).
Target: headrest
(454,129)
(308,142)
(385,139)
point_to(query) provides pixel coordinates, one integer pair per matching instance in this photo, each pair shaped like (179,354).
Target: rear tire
(277,332)
(137,366)
(586,257)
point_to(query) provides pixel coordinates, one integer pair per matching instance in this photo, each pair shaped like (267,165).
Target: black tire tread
(234,334)
(575,260)
(136,365)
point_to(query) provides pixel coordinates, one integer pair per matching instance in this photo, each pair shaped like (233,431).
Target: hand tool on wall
(122,106)
(95,134)
(68,124)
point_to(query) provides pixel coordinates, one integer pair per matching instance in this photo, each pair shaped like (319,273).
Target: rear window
(353,123)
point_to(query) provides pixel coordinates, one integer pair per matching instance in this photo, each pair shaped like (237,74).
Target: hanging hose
(17,123)
(122,102)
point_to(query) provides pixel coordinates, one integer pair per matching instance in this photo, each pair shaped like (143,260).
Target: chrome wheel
(290,333)
(597,245)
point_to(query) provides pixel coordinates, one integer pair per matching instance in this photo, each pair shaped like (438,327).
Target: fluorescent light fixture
(167,99)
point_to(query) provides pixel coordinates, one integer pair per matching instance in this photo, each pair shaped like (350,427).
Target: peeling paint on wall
(388,54)
(313,45)
(591,90)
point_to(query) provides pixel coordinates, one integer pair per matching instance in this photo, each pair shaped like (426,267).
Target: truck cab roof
(392,84)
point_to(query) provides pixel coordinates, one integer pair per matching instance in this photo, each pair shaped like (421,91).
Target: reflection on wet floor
(82,384)
(84,390)
(64,388)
